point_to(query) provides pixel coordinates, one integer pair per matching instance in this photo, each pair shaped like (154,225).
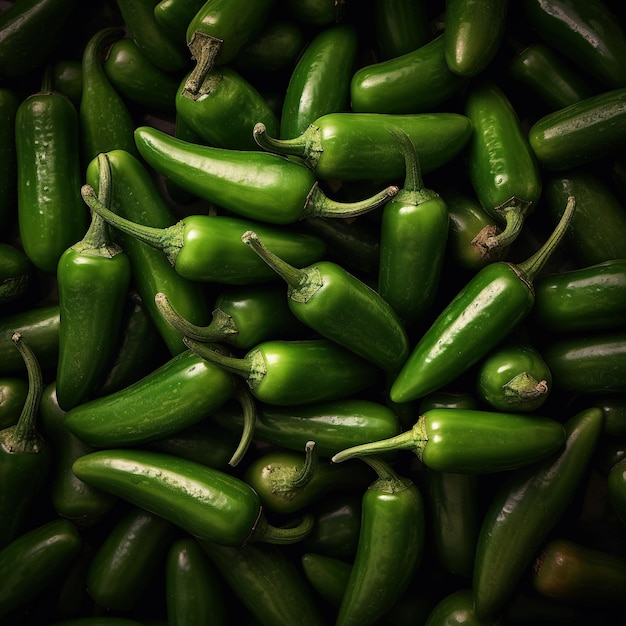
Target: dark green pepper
(207,503)
(13,392)
(359,146)
(327,575)
(93,277)
(25,456)
(175,15)
(67,78)
(401,26)
(616,485)
(471,441)
(483,313)
(458,608)
(9,102)
(341,308)
(501,165)
(15,272)
(390,547)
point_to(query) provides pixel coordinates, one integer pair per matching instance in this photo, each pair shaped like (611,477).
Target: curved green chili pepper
(137,79)
(50,215)
(401,26)
(258,185)
(15,272)
(482,314)
(9,103)
(127,559)
(218,31)
(225,113)
(586,31)
(34,561)
(205,502)
(594,363)
(416,82)
(25,455)
(598,293)
(501,164)
(136,197)
(581,133)
(360,146)
(105,121)
(390,547)
(175,15)
(341,308)
(320,81)
(289,481)
(327,575)
(192,586)
(471,441)
(93,277)
(13,392)
(525,508)
(473,33)
(413,238)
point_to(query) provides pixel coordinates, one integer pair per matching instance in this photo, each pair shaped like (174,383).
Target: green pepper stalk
(484,312)
(341,308)
(25,455)
(389,550)
(358,146)
(93,277)
(207,248)
(205,502)
(471,441)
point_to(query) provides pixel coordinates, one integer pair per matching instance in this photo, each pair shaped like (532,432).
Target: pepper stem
(204,49)
(306,146)
(241,367)
(318,204)
(514,215)
(388,481)
(221,328)
(284,535)
(249,413)
(532,266)
(288,480)
(24,434)
(169,240)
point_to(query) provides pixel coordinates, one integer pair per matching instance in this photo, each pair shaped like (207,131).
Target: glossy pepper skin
(473,32)
(93,277)
(320,81)
(327,575)
(13,392)
(205,502)
(524,510)
(471,441)
(457,608)
(390,547)
(481,315)
(341,308)
(585,31)
(25,456)
(359,146)
(502,167)
(51,216)
(174,16)
(401,26)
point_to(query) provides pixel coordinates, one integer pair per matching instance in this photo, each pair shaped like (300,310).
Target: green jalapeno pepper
(217,32)
(316,12)
(136,197)
(67,78)
(390,547)
(525,509)
(327,575)
(137,79)
(594,363)
(258,185)
(25,455)
(401,26)
(50,215)
(267,582)
(483,313)
(341,308)
(359,146)
(320,81)
(416,82)
(457,607)
(501,165)
(127,560)
(175,15)
(9,103)
(581,133)
(205,502)
(93,277)
(583,299)
(471,441)
(616,485)
(613,407)
(473,33)
(586,31)
(413,238)
(225,113)
(293,372)
(564,568)
(192,586)
(13,392)
(332,425)
(595,232)
(33,561)
(15,272)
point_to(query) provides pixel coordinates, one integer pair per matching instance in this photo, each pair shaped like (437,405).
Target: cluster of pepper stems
(312,312)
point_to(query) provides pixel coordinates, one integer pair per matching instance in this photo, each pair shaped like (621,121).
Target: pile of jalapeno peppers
(312,312)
